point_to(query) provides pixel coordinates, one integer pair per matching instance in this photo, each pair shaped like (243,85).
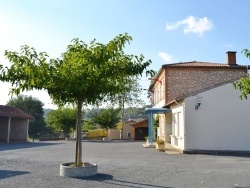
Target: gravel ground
(120,164)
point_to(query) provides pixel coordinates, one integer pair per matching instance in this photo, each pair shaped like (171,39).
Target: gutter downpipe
(175,101)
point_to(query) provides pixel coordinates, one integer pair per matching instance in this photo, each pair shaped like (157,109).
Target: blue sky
(164,31)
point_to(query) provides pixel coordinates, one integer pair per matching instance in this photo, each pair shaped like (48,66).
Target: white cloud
(165,56)
(192,25)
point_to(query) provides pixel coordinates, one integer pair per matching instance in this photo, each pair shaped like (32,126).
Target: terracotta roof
(134,120)
(11,111)
(202,64)
(139,121)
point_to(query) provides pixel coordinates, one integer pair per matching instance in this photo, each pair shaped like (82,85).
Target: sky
(163,31)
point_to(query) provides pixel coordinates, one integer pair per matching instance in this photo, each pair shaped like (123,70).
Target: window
(176,123)
(129,135)
(178,126)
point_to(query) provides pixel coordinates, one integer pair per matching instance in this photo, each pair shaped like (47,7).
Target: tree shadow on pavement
(10,173)
(23,145)
(109,180)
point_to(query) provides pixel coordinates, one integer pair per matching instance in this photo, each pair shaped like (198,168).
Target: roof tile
(10,111)
(201,64)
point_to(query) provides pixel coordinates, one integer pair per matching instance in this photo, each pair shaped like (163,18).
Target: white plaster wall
(221,123)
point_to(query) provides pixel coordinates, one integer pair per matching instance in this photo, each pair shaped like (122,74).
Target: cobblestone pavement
(120,164)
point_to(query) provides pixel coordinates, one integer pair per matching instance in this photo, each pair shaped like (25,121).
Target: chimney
(231,58)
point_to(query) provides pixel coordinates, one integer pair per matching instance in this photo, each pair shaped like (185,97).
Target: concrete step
(169,149)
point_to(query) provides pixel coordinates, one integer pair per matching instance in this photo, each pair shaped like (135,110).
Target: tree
(133,112)
(107,118)
(34,107)
(62,119)
(244,83)
(129,97)
(88,125)
(85,74)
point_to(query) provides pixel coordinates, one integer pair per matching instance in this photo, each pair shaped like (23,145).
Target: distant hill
(129,113)
(46,110)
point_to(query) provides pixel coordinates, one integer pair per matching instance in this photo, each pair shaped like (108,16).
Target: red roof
(139,121)
(202,64)
(11,111)
(134,120)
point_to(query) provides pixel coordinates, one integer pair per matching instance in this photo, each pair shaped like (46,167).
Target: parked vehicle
(96,134)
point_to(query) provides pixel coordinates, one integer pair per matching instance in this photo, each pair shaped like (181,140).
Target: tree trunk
(78,155)
(122,116)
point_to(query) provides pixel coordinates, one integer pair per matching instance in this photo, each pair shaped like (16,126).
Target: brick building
(179,79)
(135,129)
(182,87)
(139,129)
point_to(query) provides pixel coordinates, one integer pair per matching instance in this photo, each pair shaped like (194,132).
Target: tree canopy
(88,125)
(107,118)
(130,96)
(244,83)
(84,74)
(34,107)
(62,119)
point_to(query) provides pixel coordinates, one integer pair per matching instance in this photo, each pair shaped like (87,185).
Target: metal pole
(150,127)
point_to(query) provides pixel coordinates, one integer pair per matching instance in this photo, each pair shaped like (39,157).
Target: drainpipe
(175,101)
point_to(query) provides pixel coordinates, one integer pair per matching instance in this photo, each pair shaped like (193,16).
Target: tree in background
(129,112)
(85,74)
(129,97)
(135,113)
(107,118)
(244,83)
(34,107)
(88,125)
(90,112)
(62,119)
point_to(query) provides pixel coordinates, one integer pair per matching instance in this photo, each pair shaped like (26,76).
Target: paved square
(120,164)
